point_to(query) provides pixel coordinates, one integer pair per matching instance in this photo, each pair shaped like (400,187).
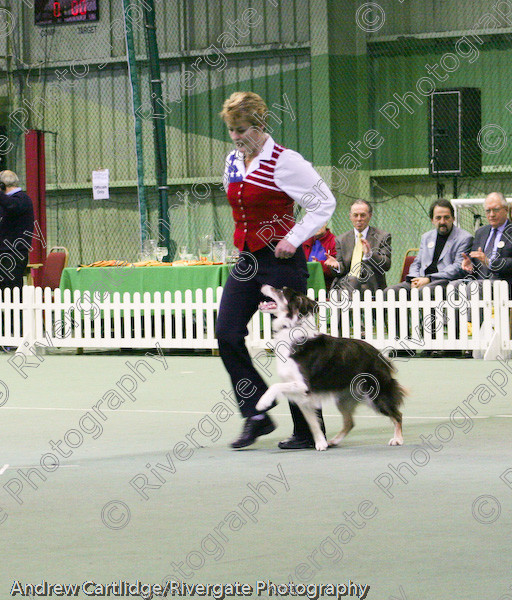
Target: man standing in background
(16,228)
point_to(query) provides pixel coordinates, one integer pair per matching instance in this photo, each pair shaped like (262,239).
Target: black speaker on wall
(455,120)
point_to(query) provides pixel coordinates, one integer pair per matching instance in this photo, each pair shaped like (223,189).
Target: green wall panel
(406,146)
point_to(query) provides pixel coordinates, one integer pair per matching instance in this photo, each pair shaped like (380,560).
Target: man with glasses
(491,253)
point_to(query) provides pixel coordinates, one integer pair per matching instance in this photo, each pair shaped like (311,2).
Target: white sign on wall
(100,184)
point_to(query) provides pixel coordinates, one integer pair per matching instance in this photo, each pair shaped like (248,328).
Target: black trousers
(240,300)
(14,278)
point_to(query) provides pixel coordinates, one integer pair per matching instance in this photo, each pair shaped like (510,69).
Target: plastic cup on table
(205,247)
(219,252)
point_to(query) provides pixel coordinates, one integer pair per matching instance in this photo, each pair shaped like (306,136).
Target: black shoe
(295,443)
(253,428)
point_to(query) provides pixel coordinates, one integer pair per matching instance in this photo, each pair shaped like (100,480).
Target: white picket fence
(424,322)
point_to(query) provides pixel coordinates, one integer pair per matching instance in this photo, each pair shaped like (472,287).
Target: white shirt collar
(364,233)
(265,154)
(13,191)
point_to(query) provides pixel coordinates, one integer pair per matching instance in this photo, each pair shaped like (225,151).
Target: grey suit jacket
(373,269)
(450,260)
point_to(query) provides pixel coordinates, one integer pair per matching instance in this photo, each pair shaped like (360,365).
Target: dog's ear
(303,304)
(307,306)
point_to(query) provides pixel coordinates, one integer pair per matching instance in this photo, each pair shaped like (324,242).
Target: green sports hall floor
(412,522)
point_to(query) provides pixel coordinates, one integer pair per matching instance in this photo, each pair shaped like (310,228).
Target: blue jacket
(450,260)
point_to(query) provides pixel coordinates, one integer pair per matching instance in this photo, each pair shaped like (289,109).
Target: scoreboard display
(50,12)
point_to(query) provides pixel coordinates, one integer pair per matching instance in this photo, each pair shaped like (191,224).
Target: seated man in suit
(441,251)
(363,254)
(491,254)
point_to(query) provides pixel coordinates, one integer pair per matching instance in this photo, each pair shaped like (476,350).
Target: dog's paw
(334,442)
(261,406)
(265,401)
(321,445)
(396,441)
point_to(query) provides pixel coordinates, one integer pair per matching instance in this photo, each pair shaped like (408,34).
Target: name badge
(500,244)
(431,244)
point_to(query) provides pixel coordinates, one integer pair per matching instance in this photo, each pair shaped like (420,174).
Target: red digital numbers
(49,12)
(78,7)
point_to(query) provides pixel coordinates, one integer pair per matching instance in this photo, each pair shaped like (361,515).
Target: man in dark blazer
(441,251)
(16,229)
(491,253)
(363,255)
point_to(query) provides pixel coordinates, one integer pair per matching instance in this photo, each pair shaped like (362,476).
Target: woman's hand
(330,261)
(284,249)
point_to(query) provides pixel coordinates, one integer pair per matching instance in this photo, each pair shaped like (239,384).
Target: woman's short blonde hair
(245,106)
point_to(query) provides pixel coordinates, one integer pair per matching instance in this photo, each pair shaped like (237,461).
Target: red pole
(36,188)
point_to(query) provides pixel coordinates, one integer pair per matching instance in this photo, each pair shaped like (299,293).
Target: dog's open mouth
(268,306)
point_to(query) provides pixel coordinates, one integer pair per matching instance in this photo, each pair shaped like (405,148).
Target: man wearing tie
(363,255)
(491,254)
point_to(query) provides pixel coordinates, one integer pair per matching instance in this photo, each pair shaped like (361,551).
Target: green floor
(316,517)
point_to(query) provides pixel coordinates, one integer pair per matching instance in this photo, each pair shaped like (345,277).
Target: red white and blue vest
(262,212)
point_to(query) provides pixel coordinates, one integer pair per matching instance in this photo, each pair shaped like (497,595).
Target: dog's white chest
(286,367)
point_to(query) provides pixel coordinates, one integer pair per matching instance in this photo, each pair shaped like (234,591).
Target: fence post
(28,309)
(495,344)
(505,318)
(501,345)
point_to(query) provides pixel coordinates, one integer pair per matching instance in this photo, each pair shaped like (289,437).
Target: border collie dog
(315,367)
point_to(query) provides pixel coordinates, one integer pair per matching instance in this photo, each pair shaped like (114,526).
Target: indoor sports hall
(133,462)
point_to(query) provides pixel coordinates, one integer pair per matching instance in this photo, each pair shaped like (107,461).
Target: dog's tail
(390,399)
(398,392)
